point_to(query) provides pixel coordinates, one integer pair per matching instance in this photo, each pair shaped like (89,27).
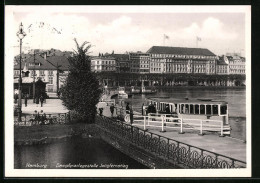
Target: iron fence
(42,119)
(179,153)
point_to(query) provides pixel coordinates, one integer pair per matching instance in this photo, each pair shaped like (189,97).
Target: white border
(9,132)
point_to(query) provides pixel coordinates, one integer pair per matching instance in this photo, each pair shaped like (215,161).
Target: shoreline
(44,134)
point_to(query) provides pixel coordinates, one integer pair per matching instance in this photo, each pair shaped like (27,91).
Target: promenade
(50,106)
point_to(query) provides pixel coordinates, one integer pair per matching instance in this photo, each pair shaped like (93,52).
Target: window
(223,109)
(50,80)
(197,109)
(208,109)
(50,73)
(202,109)
(16,73)
(187,108)
(191,109)
(42,73)
(215,109)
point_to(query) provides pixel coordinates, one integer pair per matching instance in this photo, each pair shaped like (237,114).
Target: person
(167,109)
(112,107)
(58,93)
(41,99)
(25,100)
(100,111)
(15,98)
(131,116)
(127,108)
(37,100)
(153,109)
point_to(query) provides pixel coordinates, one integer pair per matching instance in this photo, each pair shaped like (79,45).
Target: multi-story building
(122,63)
(139,62)
(181,60)
(222,65)
(100,64)
(236,65)
(48,69)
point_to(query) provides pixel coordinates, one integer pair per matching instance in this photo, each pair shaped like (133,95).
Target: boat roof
(187,100)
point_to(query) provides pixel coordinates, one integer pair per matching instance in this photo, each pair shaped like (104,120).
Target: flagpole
(197,42)
(164,40)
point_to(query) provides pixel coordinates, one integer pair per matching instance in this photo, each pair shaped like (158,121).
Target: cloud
(120,34)
(211,28)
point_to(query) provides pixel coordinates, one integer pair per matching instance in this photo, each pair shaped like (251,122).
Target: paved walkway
(212,142)
(51,106)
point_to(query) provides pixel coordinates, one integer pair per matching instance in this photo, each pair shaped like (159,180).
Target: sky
(122,31)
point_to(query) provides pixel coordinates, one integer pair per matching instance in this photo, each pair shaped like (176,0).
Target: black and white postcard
(127,91)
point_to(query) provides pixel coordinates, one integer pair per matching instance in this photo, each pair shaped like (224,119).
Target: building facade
(222,65)
(236,65)
(181,60)
(122,63)
(139,62)
(103,64)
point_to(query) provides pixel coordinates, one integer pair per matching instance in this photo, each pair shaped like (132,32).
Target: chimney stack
(45,55)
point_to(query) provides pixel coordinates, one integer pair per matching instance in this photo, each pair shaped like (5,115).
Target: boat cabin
(203,109)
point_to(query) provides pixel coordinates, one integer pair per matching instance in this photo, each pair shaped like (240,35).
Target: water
(73,153)
(236,98)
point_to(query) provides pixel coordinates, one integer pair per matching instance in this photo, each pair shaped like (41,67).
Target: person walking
(112,107)
(127,108)
(25,100)
(131,116)
(100,111)
(41,100)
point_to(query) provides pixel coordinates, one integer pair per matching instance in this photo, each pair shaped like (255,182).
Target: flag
(166,37)
(198,39)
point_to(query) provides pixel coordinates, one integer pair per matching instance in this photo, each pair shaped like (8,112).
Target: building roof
(121,56)
(43,64)
(50,63)
(61,61)
(180,51)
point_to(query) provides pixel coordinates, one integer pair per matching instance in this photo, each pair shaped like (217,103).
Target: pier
(170,148)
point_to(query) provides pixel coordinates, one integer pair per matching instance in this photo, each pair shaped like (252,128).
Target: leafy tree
(81,91)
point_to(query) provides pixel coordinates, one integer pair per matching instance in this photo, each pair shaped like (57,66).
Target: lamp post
(20,34)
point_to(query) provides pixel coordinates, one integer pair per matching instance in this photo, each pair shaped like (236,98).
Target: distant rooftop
(180,51)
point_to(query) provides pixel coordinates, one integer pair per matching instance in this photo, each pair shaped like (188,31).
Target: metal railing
(170,121)
(42,119)
(179,153)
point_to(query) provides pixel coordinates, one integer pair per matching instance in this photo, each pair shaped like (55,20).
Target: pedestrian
(131,116)
(127,108)
(25,100)
(41,100)
(100,111)
(167,109)
(112,107)
(15,98)
(58,93)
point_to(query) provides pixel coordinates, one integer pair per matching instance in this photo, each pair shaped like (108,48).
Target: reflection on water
(73,153)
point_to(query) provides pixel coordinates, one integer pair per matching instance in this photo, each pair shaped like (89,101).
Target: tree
(81,91)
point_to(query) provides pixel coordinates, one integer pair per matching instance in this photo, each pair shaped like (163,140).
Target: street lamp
(20,34)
